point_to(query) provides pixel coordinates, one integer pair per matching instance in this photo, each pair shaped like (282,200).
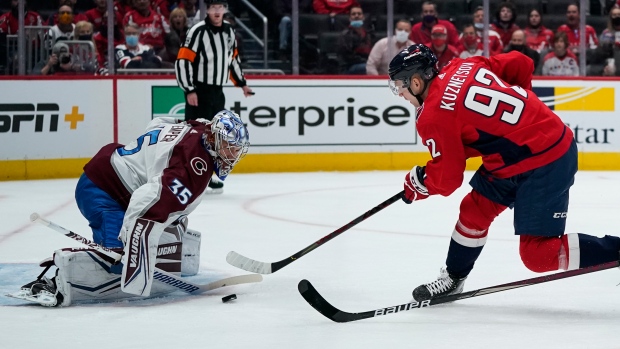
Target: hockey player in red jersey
(484,107)
(136,198)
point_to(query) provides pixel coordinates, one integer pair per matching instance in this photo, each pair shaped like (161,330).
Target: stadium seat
(328,52)
(373,7)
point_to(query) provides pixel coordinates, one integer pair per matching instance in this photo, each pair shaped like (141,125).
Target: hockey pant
(538,253)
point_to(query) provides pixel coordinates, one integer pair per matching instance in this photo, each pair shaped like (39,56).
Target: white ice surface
(376,264)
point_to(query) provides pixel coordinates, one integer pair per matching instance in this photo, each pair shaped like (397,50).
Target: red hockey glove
(414,185)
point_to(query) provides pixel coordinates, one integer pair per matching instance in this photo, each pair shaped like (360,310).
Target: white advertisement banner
(54,119)
(349,115)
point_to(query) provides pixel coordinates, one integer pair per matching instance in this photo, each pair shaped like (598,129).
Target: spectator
(440,47)
(176,37)
(76,17)
(334,7)
(191,10)
(101,42)
(354,44)
(537,37)
(153,26)
(84,55)
(610,40)
(571,28)
(496,46)
(421,32)
(96,15)
(560,61)
(504,24)
(471,43)
(517,43)
(65,27)
(134,54)
(122,7)
(381,55)
(611,34)
(161,7)
(61,62)
(284,8)
(9,22)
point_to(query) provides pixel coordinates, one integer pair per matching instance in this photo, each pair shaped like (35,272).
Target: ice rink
(376,264)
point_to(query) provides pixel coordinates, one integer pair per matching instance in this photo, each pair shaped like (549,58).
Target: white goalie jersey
(160,178)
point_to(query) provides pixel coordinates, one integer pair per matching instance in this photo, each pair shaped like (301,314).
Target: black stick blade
(312,296)
(317,301)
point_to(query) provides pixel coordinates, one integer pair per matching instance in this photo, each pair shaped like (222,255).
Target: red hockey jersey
(484,107)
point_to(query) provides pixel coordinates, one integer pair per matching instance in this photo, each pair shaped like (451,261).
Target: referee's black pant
(211,100)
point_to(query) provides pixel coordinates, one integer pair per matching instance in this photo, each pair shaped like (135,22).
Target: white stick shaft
(35,217)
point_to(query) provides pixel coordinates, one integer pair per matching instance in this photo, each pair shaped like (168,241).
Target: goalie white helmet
(228,140)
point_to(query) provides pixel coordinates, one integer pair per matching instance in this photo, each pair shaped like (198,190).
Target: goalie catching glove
(414,185)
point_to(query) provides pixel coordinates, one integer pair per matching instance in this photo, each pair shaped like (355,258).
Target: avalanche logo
(584,98)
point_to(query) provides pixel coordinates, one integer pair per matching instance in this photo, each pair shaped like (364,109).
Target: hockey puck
(229,298)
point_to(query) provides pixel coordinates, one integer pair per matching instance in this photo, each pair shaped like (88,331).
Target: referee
(206,60)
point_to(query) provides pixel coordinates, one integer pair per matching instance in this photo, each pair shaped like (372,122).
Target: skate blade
(45,299)
(210,191)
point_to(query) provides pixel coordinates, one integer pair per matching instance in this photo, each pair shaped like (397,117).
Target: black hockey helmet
(415,59)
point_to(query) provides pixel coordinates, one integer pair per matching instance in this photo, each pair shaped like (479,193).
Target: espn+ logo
(13,116)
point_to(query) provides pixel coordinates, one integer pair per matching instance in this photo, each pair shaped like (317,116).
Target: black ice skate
(443,286)
(42,291)
(215,186)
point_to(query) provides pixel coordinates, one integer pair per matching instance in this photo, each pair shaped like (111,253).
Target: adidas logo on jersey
(441,75)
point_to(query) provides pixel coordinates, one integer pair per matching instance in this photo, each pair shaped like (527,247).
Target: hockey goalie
(136,198)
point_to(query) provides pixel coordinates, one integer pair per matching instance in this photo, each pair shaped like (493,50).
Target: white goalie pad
(87,275)
(190,263)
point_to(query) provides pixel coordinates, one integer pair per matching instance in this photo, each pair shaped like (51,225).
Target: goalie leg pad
(191,253)
(87,275)
(170,247)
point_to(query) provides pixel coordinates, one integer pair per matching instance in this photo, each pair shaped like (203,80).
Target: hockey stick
(159,275)
(312,296)
(235,259)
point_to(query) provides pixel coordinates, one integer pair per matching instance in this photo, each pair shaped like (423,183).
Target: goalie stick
(242,262)
(314,298)
(159,275)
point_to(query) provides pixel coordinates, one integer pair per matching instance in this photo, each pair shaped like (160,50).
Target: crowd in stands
(148,34)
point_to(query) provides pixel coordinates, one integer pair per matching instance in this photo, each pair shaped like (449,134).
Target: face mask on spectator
(65,18)
(429,19)
(131,40)
(85,37)
(402,36)
(615,21)
(479,26)
(517,47)
(470,40)
(438,42)
(357,24)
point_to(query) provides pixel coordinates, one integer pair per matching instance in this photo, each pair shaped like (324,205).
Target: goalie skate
(41,291)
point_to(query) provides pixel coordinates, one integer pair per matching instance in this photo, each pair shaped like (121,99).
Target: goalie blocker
(84,274)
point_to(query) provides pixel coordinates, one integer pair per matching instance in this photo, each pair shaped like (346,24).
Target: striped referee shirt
(209,56)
